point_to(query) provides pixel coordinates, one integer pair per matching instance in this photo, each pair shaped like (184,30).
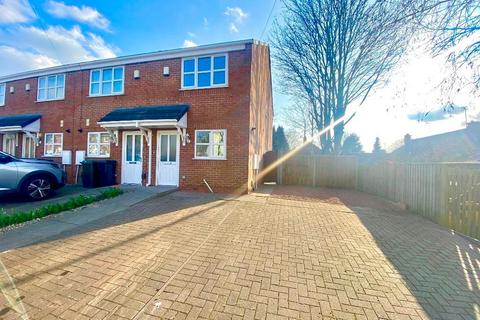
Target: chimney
(407,138)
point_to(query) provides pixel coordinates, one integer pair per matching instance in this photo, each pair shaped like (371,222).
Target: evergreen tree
(352,144)
(377,147)
(280,143)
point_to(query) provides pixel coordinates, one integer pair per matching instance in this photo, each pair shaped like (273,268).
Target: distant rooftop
(455,146)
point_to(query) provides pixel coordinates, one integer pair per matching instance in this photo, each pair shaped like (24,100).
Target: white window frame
(3,93)
(211,144)
(99,144)
(45,144)
(100,82)
(195,72)
(55,87)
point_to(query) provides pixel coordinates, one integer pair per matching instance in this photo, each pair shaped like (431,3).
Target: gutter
(131,59)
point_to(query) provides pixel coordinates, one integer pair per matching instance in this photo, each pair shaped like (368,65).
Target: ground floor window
(9,143)
(98,144)
(211,144)
(28,147)
(53,144)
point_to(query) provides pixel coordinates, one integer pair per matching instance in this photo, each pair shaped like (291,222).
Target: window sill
(98,157)
(203,88)
(50,100)
(221,159)
(106,95)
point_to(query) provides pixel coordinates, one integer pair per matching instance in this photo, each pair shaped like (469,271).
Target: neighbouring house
(455,146)
(173,117)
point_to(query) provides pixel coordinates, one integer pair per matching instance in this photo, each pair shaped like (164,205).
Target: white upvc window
(205,72)
(2,94)
(53,144)
(98,144)
(211,144)
(51,87)
(107,81)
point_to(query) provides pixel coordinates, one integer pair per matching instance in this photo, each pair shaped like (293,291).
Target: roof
(137,58)
(460,145)
(21,120)
(168,112)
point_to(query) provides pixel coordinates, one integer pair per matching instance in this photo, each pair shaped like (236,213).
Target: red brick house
(173,117)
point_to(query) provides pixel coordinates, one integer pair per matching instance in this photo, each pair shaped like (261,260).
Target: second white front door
(168,164)
(132,158)
(28,147)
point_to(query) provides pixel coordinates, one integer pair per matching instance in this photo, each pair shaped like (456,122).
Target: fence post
(280,174)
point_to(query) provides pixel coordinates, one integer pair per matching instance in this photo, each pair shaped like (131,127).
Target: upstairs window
(107,81)
(211,144)
(2,94)
(51,87)
(205,72)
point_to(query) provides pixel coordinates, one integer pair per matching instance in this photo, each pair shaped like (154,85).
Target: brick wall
(261,108)
(217,108)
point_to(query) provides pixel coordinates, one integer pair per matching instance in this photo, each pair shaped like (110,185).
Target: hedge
(72,203)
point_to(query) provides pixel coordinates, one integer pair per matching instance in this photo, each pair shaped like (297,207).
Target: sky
(43,33)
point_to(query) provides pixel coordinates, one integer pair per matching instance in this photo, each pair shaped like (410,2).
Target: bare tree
(453,22)
(298,117)
(331,53)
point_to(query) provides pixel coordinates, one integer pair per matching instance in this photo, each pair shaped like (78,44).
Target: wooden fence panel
(447,193)
(321,171)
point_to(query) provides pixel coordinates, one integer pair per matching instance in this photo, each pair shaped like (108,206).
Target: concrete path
(51,226)
(197,256)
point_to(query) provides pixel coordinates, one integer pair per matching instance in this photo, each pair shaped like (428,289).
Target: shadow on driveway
(141,211)
(441,269)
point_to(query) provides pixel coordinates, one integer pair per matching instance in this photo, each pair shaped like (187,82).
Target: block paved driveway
(298,254)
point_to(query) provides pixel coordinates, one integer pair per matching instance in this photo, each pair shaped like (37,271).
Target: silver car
(36,179)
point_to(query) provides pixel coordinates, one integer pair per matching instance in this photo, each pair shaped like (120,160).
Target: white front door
(168,164)
(9,142)
(132,157)
(28,147)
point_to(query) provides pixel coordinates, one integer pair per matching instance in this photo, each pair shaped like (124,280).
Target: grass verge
(72,203)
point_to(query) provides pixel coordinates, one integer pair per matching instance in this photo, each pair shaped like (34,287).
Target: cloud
(83,14)
(189,44)
(238,16)
(233,28)
(53,46)
(437,114)
(205,22)
(15,11)
(13,60)
(237,13)
(191,34)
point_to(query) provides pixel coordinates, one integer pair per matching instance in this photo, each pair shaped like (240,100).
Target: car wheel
(38,188)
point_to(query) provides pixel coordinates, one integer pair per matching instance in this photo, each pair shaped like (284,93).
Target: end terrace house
(174,117)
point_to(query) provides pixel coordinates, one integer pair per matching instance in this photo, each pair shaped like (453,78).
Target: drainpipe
(149,182)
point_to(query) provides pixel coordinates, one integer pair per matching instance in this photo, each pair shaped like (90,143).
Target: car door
(8,173)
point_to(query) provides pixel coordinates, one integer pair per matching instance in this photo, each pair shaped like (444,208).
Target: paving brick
(189,256)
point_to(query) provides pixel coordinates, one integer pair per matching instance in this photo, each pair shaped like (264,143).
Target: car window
(5,158)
